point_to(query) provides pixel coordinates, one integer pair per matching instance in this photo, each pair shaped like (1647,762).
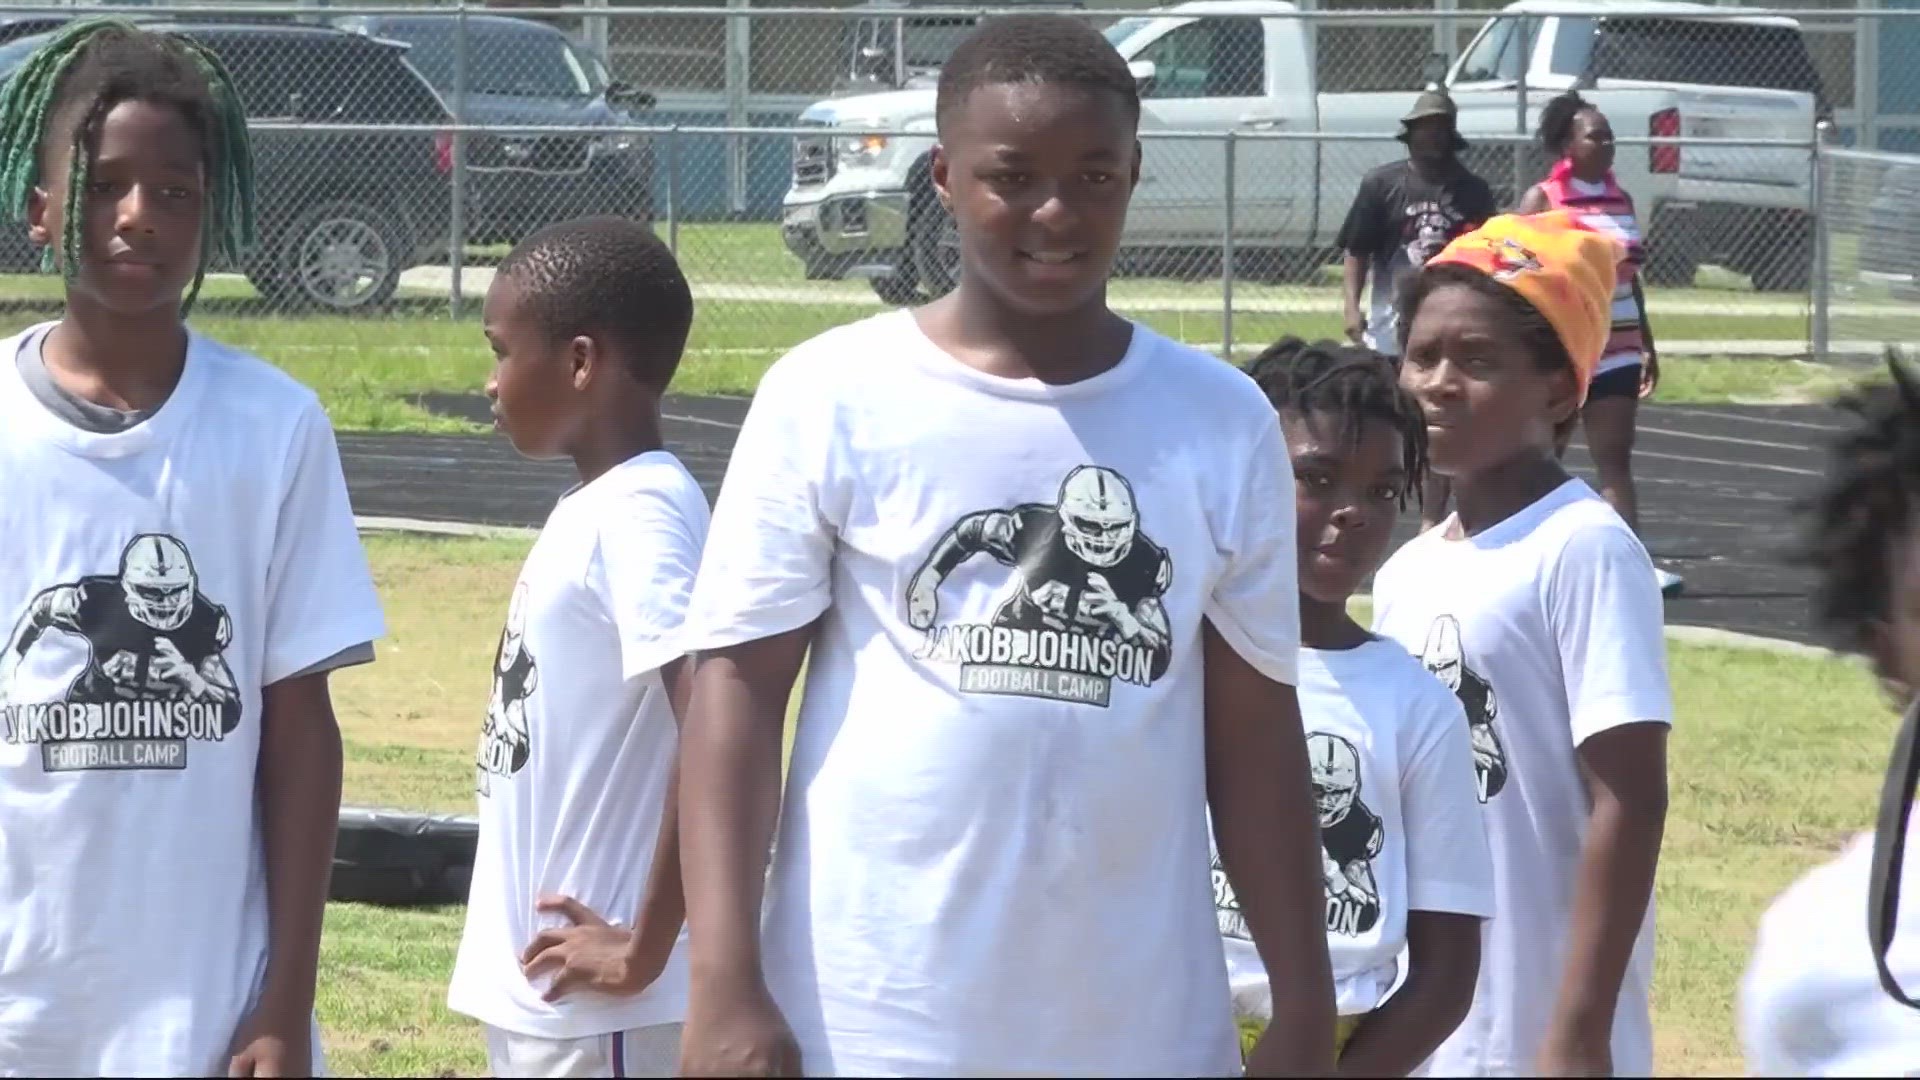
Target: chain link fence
(1870,253)
(403,150)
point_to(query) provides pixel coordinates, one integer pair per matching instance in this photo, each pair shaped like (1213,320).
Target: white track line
(1777,421)
(729,425)
(1789,470)
(1796,447)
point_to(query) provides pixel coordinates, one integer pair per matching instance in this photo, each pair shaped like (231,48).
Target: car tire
(343,256)
(900,288)
(384,856)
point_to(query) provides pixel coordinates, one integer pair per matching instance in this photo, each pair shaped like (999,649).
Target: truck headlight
(860,149)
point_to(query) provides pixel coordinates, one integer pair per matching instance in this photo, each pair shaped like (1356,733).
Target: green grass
(1775,761)
(369,370)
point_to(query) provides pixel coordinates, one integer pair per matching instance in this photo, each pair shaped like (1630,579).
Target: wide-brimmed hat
(1433,103)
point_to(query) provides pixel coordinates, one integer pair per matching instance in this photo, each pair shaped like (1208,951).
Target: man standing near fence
(1405,213)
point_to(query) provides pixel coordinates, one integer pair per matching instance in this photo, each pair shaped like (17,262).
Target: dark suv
(341,214)
(523,73)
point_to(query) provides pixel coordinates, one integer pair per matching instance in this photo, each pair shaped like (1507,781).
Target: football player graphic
(1081,565)
(1444,657)
(151,635)
(505,740)
(1351,835)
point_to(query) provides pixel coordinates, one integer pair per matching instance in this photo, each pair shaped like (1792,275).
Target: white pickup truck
(860,205)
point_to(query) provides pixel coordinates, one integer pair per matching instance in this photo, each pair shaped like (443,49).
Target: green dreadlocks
(92,65)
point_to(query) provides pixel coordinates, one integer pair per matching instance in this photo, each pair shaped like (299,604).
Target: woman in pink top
(1579,137)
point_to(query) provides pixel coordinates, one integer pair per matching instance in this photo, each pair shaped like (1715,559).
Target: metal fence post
(673,190)
(457,216)
(1822,243)
(1226,256)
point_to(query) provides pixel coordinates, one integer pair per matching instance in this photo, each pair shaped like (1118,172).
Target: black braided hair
(1041,49)
(607,275)
(63,91)
(1866,507)
(1556,121)
(1350,385)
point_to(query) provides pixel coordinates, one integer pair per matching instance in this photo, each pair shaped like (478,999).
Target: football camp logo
(1446,658)
(1351,837)
(1081,610)
(155,677)
(505,740)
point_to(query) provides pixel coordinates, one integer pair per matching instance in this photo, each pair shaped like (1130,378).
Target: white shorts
(648,1051)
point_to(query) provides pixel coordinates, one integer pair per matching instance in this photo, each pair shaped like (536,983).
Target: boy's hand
(273,1042)
(592,954)
(737,1033)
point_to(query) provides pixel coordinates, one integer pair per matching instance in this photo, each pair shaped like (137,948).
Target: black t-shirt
(1401,219)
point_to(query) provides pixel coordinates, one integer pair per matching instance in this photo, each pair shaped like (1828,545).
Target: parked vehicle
(862,205)
(1669,70)
(341,215)
(893,48)
(521,72)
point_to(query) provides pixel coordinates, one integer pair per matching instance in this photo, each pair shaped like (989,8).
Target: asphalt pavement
(1717,490)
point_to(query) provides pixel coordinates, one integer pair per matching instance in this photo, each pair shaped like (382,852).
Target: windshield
(925,42)
(1695,52)
(1119,32)
(513,63)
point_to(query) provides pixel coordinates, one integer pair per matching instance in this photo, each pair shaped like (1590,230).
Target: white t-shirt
(579,743)
(156,580)
(1548,626)
(993,854)
(1400,824)
(1811,1003)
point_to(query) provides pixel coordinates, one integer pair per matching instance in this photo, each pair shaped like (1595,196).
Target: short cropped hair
(1035,49)
(608,277)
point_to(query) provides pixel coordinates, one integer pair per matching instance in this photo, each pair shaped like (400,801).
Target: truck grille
(812,160)
(549,155)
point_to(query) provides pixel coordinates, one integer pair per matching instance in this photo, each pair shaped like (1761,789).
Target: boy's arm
(321,610)
(663,911)
(299,786)
(731,760)
(1607,619)
(1625,770)
(1443,966)
(592,954)
(1264,827)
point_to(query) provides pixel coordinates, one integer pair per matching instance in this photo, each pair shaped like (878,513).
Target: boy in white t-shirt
(1043,559)
(576,767)
(1405,859)
(1537,605)
(182,575)
(1812,1002)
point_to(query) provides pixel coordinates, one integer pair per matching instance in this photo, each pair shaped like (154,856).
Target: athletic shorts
(1620,382)
(1252,1026)
(648,1051)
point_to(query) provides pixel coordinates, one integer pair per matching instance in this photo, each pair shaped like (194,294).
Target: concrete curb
(442,528)
(1683,633)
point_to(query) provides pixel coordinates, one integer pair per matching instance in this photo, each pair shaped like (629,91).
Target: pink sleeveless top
(1606,207)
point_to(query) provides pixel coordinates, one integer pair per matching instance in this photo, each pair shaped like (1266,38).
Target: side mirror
(1433,69)
(874,62)
(628,96)
(1143,72)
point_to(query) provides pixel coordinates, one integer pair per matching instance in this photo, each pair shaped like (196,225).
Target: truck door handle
(1263,121)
